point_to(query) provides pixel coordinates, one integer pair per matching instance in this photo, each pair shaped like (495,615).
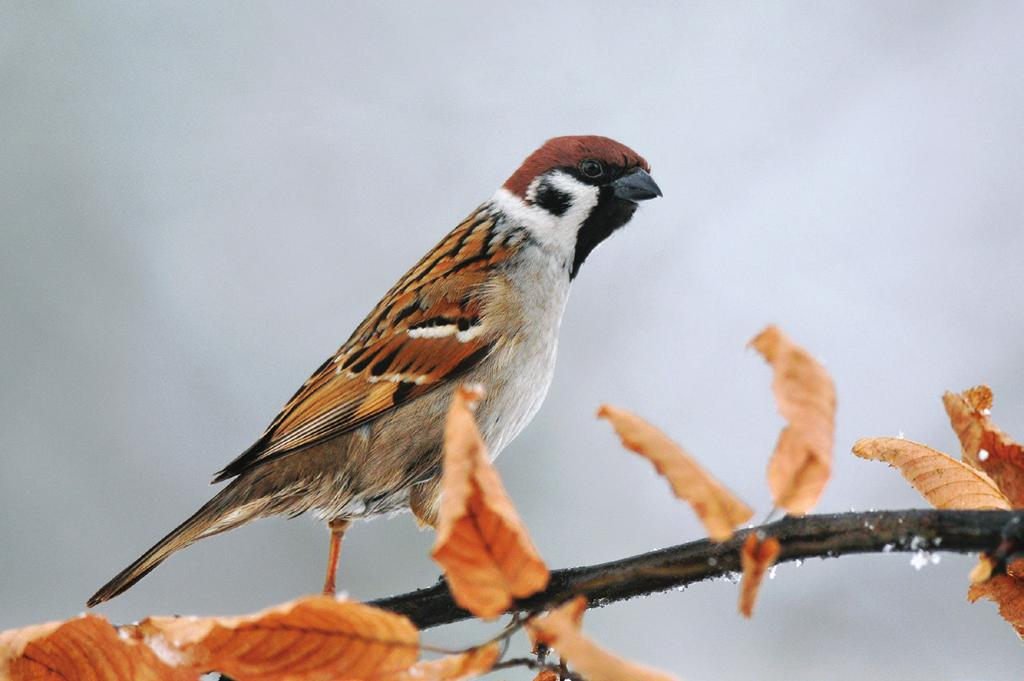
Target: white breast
(520,371)
(518,374)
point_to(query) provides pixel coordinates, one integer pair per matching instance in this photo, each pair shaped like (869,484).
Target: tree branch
(816,536)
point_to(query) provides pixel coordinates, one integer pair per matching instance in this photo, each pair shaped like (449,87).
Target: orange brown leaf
(718,509)
(806,397)
(87,647)
(756,557)
(942,480)
(985,446)
(979,397)
(313,638)
(453,667)
(561,627)
(1008,594)
(481,544)
(983,570)
(572,610)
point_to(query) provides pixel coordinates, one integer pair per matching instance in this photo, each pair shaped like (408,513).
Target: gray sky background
(200,201)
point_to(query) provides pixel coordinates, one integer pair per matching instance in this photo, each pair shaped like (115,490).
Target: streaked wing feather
(426,331)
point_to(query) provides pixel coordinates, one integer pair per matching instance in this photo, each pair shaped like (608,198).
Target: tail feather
(216,516)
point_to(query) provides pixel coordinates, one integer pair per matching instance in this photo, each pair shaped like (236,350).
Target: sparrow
(363,435)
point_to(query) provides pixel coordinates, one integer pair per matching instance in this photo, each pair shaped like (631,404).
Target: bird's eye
(591,168)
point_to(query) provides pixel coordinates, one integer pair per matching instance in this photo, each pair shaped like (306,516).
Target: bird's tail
(223,512)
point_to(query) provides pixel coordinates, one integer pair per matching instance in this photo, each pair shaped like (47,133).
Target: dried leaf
(561,627)
(985,446)
(806,396)
(87,647)
(756,557)
(1008,594)
(481,544)
(983,570)
(453,667)
(309,639)
(719,510)
(942,480)
(572,610)
(979,397)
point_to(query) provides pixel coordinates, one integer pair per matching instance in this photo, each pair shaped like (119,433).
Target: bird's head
(574,191)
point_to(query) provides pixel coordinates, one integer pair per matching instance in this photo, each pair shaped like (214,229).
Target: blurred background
(200,201)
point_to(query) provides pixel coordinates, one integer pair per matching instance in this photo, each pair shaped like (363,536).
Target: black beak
(636,186)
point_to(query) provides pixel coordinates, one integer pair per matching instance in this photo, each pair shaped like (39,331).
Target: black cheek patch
(552,200)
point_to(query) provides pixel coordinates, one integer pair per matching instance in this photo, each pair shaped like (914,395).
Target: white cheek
(556,233)
(583,199)
(521,213)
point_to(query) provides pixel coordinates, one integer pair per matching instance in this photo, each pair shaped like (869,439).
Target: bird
(363,436)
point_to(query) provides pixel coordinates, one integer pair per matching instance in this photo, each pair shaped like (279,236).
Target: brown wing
(427,330)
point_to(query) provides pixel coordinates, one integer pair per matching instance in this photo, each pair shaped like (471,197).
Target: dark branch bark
(808,537)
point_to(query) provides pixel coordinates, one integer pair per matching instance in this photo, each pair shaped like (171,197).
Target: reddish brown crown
(567,152)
